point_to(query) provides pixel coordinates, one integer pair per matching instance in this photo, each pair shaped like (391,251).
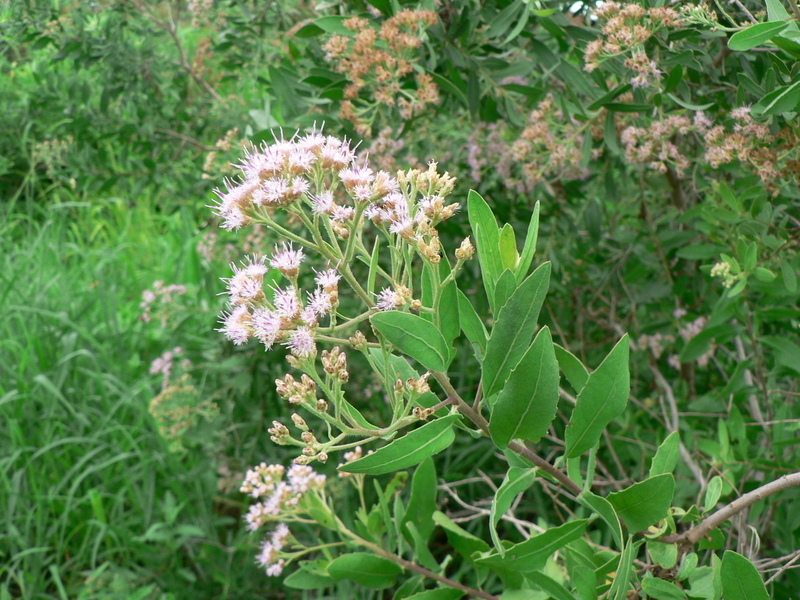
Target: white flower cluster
(286,317)
(319,173)
(278,497)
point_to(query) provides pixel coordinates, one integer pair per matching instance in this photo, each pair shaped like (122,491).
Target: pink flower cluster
(285,318)
(278,497)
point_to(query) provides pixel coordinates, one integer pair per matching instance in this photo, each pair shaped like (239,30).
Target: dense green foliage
(663,147)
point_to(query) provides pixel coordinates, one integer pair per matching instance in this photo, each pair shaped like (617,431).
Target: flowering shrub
(387,294)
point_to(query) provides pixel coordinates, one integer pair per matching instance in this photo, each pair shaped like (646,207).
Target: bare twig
(698,532)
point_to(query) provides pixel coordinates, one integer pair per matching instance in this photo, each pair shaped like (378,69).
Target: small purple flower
(327,279)
(301,343)
(266,326)
(286,303)
(287,261)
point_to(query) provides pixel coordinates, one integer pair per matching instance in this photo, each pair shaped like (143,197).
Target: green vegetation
(663,148)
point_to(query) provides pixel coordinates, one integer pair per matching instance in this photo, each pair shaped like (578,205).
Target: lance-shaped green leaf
(622,580)
(414,336)
(549,585)
(601,400)
(527,403)
(573,368)
(644,503)
(661,589)
(508,248)
(438,594)
(755,36)
(529,249)
(365,569)
(409,450)
(422,503)
(666,458)
(605,511)
(487,241)
(740,579)
(503,289)
(471,323)
(310,576)
(532,554)
(447,316)
(516,481)
(514,329)
(462,540)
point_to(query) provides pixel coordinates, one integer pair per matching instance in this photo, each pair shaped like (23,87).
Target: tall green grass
(92,504)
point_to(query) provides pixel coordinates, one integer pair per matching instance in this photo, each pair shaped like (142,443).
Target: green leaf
(310,576)
(414,336)
(529,249)
(503,289)
(605,511)
(572,367)
(365,569)
(438,594)
(409,450)
(532,554)
(666,458)
(661,589)
(644,503)
(487,242)
(755,36)
(622,581)
(789,275)
(527,403)
(471,323)
(666,555)
(513,329)
(601,400)
(447,316)
(509,257)
(504,19)
(740,579)
(516,481)
(713,492)
(462,540)
(549,585)
(422,503)
(787,353)
(784,99)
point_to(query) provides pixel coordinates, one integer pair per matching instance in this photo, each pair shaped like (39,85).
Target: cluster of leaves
(666,163)
(653,222)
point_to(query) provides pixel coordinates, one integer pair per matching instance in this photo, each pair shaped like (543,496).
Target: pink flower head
(287,304)
(356,176)
(328,279)
(320,302)
(266,326)
(342,214)
(388,299)
(323,203)
(287,261)
(237,325)
(301,343)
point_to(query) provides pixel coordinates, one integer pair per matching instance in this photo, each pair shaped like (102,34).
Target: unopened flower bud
(301,460)
(308,438)
(299,422)
(416,305)
(307,451)
(322,457)
(343,376)
(322,406)
(358,341)
(399,386)
(466,250)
